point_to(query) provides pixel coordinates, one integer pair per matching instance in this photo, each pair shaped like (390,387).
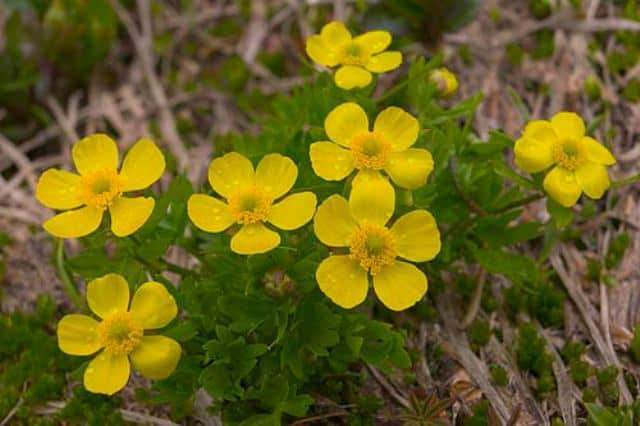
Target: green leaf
(514,266)
(561,216)
(601,416)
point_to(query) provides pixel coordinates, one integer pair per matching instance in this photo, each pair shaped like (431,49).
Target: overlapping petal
(333,224)
(107,295)
(142,166)
(350,77)
(293,211)
(276,174)
(568,125)
(129,214)
(335,33)
(343,280)
(533,155)
(597,152)
(153,306)
(384,62)
(593,179)
(374,41)
(156,357)
(346,121)
(59,189)
(562,185)
(398,127)
(372,198)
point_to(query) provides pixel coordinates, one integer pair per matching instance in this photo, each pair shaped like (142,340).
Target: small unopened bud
(445,80)
(278,283)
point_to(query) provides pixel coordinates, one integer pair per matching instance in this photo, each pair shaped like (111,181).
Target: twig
(388,387)
(127,415)
(475,300)
(20,159)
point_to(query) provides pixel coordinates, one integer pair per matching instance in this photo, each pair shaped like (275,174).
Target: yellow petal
(320,52)
(107,373)
(372,198)
(330,161)
(562,186)
(568,125)
(153,306)
(334,225)
(343,280)
(77,335)
(533,155)
(209,213)
(597,152)
(156,357)
(540,130)
(74,223)
(143,165)
(384,62)
(350,76)
(229,173)
(410,169)
(593,179)
(374,41)
(399,127)
(294,211)
(129,214)
(346,121)
(94,153)
(416,236)
(59,189)
(400,285)
(254,239)
(335,33)
(276,174)
(108,294)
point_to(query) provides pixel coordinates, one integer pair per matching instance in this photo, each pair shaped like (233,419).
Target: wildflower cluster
(340,193)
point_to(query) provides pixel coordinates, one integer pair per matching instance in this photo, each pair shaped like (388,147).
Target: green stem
(625,181)
(395,89)
(518,203)
(70,285)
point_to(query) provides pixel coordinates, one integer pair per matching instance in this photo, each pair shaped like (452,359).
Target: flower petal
(129,214)
(593,179)
(209,213)
(372,198)
(597,152)
(568,125)
(374,41)
(410,169)
(156,357)
(540,130)
(562,186)
(346,121)
(94,153)
(74,223)
(254,239)
(333,224)
(276,174)
(77,335)
(398,127)
(320,52)
(350,76)
(533,155)
(59,189)
(343,280)
(330,161)
(400,285)
(384,62)
(417,236)
(142,166)
(229,173)
(107,373)
(294,211)
(335,33)
(153,306)
(108,294)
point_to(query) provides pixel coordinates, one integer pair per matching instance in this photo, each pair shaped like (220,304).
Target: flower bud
(445,80)
(277,283)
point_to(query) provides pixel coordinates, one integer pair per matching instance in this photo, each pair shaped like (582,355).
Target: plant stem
(70,285)
(519,203)
(625,181)
(395,89)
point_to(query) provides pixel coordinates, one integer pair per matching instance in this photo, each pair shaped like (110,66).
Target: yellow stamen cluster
(250,205)
(101,188)
(354,54)
(569,154)
(370,151)
(119,333)
(373,247)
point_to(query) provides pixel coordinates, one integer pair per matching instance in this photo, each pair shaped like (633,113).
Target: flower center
(569,154)
(354,54)
(373,247)
(119,333)
(370,151)
(101,188)
(250,205)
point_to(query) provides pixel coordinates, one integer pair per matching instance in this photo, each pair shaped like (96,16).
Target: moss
(479,333)
(499,375)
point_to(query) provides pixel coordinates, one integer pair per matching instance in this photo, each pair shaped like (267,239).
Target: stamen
(370,151)
(250,205)
(354,54)
(569,154)
(101,188)
(373,247)
(119,333)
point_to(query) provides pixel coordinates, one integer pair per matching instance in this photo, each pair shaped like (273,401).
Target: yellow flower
(99,186)
(445,80)
(360,225)
(386,148)
(357,56)
(579,159)
(251,200)
(120,334)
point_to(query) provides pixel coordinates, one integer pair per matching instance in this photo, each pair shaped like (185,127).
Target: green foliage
(479,333)
(499,375)
(621,416)
(532,356)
